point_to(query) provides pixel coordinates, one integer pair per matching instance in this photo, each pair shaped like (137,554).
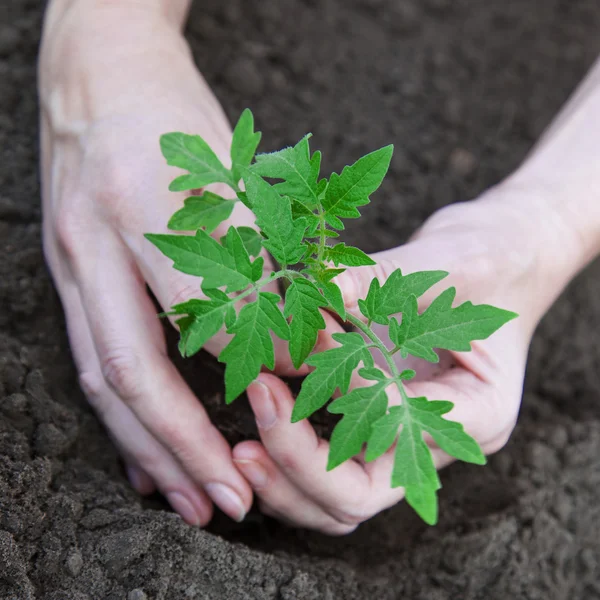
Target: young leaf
(204,257)
(252,345)
(389,299)
(346,192)
(444,327)
(302,303)
(251,239)
(361,408)
(244,143)
(208,211)
(413,463)
(331,291)
(192,153)
(204,319)
(347,255)
(333,370)
(298,170)
(274,217)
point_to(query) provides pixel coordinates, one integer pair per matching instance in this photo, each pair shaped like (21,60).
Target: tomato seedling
(296,218)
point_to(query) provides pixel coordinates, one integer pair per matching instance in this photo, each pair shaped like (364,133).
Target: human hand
(496,253)
(113,78)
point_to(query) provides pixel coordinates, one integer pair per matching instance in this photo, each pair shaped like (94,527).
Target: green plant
(296,217)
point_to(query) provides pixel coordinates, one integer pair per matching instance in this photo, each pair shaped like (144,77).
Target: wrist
(93,52)
(547,243)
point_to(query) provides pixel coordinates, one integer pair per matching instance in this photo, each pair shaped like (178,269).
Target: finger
(302,456)
(130,347)
(278,497)
(153,464)
(139,479)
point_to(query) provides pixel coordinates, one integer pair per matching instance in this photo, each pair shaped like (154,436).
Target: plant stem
(321,250)
(377,343)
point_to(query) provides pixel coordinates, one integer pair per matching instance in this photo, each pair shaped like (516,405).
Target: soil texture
(463,88)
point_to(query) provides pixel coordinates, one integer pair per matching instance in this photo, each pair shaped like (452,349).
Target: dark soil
(463,88)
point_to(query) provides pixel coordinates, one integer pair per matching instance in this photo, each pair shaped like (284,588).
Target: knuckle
(288,461)
(120,369)
(383,269)
(70,230)
(351,515)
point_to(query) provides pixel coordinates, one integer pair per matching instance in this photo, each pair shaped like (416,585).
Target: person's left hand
(494,250)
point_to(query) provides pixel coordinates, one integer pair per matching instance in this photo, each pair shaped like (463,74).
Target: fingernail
(262,404)
(135,477)
(255,473)
(227,500)
(182,506)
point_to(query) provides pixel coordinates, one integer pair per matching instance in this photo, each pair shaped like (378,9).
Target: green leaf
(274,217)
(414,468)
(192,153)
(369,307)
(333,370)
(204,319)
(252,240)
(208,211)
(201,255)
(450,436)
(372,373)
(298,170)
(252,345)
(244,143)
(332,293)
(234,243)
(346,192)
(347,255)
(361,408)
(444,327)
(389,299)
(302,303)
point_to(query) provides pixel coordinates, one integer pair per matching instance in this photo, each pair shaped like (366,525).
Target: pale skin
(114,75)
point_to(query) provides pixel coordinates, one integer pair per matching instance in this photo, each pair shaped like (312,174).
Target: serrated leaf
(346,192)
(192,153)
(414,468)
(234,243)
(202,256)
(361,408)
(302,303)
(444,327)
(347,255)
(389,299)
(450,436)
(333,370)
(244,144)
(252,345)
(273,212)
(369,307)
(298,170)
(204,319)
(208,211)
(252,240)
(331,291)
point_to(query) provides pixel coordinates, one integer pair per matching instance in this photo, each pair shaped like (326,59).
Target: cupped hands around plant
(402,423)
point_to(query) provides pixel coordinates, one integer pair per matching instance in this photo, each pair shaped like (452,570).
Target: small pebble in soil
(74,562)
(137,594)
(462,162)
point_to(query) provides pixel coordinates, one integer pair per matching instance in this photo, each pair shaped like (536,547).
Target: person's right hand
(113,78)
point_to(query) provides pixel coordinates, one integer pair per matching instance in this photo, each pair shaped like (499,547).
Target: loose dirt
(463,88)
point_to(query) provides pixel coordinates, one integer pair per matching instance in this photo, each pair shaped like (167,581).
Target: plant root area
(463,88)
